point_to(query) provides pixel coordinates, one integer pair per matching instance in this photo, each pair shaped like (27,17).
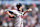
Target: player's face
(20,8)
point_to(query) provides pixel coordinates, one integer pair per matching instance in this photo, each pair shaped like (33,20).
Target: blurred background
(31,19)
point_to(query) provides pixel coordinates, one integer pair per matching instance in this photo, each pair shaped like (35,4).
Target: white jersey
(19,19)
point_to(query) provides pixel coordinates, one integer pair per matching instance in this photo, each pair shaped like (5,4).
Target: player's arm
(9,13)
(29,10)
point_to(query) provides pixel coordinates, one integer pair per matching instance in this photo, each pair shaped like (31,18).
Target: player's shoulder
(11,10)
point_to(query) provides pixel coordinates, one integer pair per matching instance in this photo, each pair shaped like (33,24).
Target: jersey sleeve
(15,12)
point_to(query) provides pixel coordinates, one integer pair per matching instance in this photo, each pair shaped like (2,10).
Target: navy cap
(19,5)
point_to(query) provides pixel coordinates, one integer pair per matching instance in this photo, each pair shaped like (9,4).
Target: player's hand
(30,10)
(11,15)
